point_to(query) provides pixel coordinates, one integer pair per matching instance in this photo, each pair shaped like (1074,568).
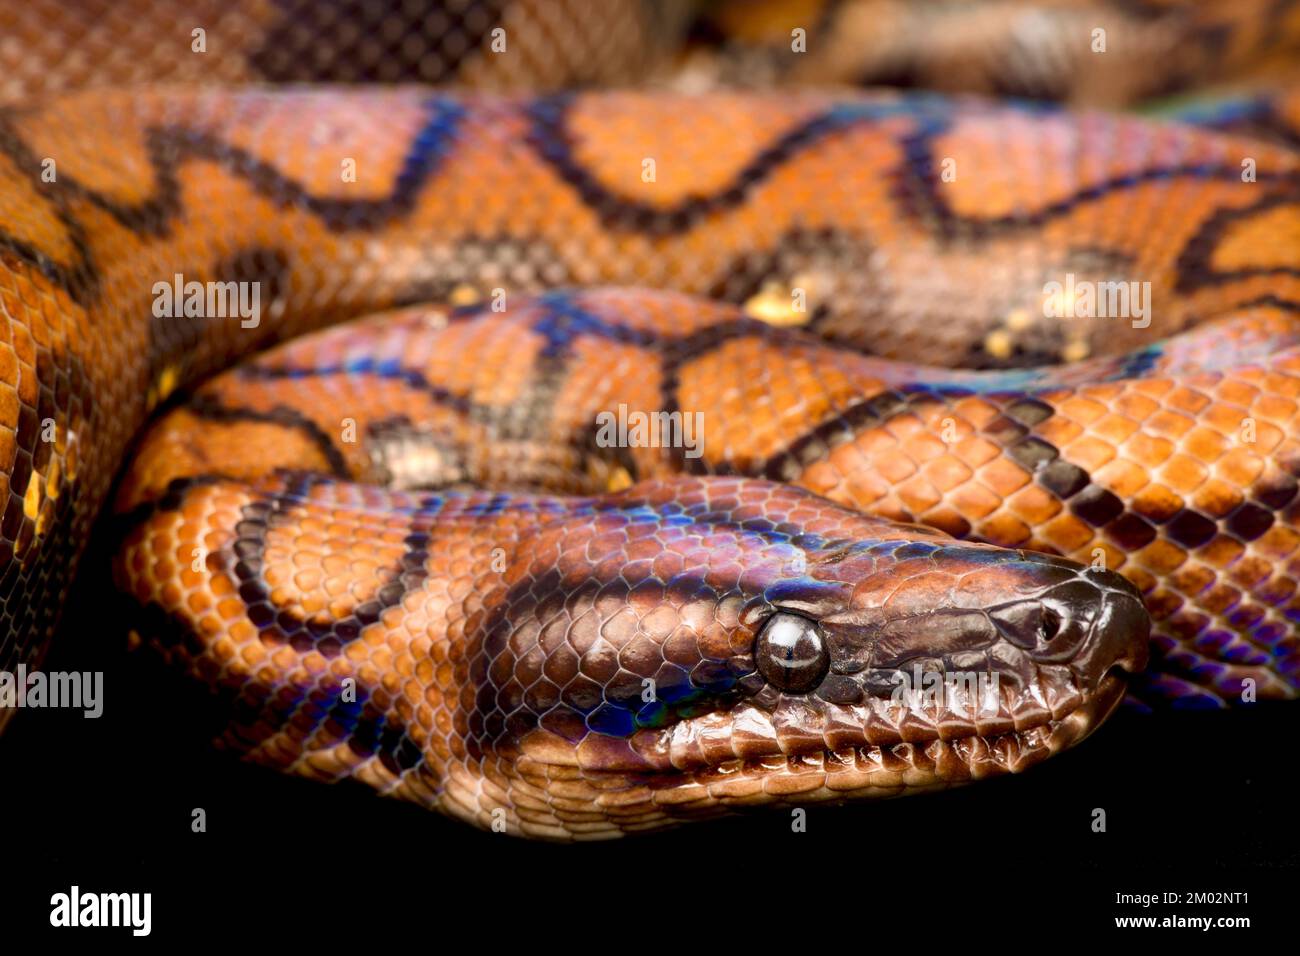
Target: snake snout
(1091,622)
(1120,633)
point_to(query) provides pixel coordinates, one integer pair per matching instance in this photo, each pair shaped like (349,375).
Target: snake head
(686,647)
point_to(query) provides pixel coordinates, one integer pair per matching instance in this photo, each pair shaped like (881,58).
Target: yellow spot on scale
(52,481)
(775,306)
(1018,320)
(166,383)
(998,343)
(464,294)
(1075,351)
(618,479)
(32,500)
(70,455)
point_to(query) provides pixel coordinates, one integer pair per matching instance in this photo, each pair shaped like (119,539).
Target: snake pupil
(791,653)
(1049,625)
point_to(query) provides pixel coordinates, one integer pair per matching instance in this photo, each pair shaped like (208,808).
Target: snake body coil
(499,645)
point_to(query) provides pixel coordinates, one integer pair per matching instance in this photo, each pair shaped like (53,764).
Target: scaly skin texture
(581,668)
(339,203)
(1176,466)
(54,46)
(1084,52)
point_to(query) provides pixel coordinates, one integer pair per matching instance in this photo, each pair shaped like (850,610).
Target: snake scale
(402,549)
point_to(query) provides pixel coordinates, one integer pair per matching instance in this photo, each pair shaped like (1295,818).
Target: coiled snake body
(620,634)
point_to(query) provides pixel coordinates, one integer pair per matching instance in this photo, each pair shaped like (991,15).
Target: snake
(605,460)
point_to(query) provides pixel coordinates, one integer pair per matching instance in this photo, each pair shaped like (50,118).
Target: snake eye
(1049,625)
(791,653)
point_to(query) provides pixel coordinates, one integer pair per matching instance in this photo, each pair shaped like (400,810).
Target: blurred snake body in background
(403,549)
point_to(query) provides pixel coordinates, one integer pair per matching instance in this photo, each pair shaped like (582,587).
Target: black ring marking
(1193,270)
(259,517)
(167,148)
(209,408)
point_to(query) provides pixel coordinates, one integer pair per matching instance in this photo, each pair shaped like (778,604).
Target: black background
(1194,801)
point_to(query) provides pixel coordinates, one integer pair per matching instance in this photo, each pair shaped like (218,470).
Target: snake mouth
(637,800)
(886,770)
(916,756)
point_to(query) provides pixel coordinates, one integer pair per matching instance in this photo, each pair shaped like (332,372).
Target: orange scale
(1283,378)
(1122,477)
(946,472)
(1250,572)
(918,495)
(1220,599)
(1156,502)
(1135,406)
(252,652)
(875,443)
(1148,449)
(1067,533)
(1089,453)
(1191,580)
(1240,467)
(1034,504)
(1004,530)
(1268,437)
(1113,428)
(230,608)
(198,601)
(922,445)
(1274,407)
(867,490)
(222,585)
(222,650)
(975,451)
(1277,590)
(1002,477)
(1237,391)
(1187,400)
(1231,420)
(1205,444)
(1169,423)
(974,500)
(1183,474)
(359,653)
(1279,542)
(964,423)
(948,520)
(1221,552)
